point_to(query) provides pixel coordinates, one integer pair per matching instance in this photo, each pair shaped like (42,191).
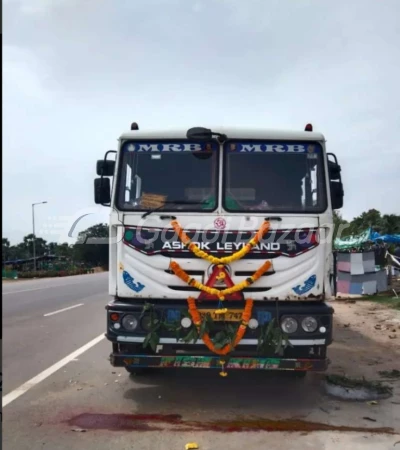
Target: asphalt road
(80,401)
(32,341)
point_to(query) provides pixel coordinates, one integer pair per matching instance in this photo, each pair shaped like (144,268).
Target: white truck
(220,251)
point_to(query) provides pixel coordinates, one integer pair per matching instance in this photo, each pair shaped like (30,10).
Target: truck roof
(233,133)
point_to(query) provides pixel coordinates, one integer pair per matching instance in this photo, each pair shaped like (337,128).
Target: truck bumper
(214,362)
(307,351)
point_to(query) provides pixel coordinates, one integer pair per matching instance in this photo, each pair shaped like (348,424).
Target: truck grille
(193,289)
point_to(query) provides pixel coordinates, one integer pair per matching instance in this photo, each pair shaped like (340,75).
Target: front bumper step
(170,340)
(214,362)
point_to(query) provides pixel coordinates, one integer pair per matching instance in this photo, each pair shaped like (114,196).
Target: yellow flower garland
(179,272)
(227,259)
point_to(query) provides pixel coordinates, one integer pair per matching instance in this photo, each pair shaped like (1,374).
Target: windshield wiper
(172,202)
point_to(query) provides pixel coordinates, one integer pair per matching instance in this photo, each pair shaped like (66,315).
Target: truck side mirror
(102,191)
(105,168)
(337,194)
(336,185)
(334,170)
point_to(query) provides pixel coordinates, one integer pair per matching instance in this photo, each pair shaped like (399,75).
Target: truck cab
(220,248)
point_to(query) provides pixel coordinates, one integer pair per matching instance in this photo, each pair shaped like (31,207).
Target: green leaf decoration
(231,329)
(271,337)
(178,333)
(171,326)
(206,325)
(146,340)
(221,339)
(154,340)
(191,336)
(210,323)
(278,348)
(186,314)
(270,327)
(147,307)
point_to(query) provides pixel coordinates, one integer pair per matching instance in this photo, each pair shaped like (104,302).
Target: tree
(65,250)
(52,248)
(5,248)
(40,245)
(92,246)
(371,218)
(390,224)
(340,225)
(22,251)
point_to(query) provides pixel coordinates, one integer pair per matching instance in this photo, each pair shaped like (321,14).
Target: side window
(128,184)
(314,186)
(127,178)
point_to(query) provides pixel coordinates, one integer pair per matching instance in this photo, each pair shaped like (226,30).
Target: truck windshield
(272,177)
(177,175)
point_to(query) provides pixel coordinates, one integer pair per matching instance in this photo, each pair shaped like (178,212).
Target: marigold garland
(227,259)
(246,315)
(194,313)
(179,272)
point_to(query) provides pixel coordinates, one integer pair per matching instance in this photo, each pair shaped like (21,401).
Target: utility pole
(34,235)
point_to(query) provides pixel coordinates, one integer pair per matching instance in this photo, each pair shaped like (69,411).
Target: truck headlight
(309,324)
(253,324)
(129,322)
(186,322)
(289,325)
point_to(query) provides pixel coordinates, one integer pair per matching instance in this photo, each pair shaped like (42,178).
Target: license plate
(233,315)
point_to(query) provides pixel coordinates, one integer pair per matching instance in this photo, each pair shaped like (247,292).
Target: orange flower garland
(195,315)
(227,259)
(179,272)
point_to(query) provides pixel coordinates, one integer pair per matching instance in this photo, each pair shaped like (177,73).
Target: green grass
(393,374)
(388,300)
(358,383)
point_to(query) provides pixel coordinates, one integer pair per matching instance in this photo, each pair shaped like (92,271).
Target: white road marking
(13,395)
(27,290)
(62,310)
(41,288)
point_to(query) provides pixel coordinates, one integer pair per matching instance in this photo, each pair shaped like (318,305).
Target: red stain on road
(123,422)
(174,422)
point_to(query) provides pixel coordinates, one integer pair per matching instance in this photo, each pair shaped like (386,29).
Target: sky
(76,73)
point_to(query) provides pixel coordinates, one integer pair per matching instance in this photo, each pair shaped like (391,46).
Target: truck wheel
(139,370)
(300,374)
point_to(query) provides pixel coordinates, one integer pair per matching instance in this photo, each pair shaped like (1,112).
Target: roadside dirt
(19,280)
(366,342)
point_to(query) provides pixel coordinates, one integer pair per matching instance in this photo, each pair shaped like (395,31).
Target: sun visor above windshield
(273,147)
(169,146)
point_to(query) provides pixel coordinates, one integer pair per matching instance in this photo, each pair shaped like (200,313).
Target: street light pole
(34,235)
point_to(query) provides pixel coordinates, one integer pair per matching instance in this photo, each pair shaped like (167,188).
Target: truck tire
(137,371)
(300,374)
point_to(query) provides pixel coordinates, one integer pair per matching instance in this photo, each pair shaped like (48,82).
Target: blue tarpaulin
(365,236)
(353,241)
(388,238)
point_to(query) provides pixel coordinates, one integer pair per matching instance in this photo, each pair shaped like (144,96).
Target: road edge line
(13,395)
